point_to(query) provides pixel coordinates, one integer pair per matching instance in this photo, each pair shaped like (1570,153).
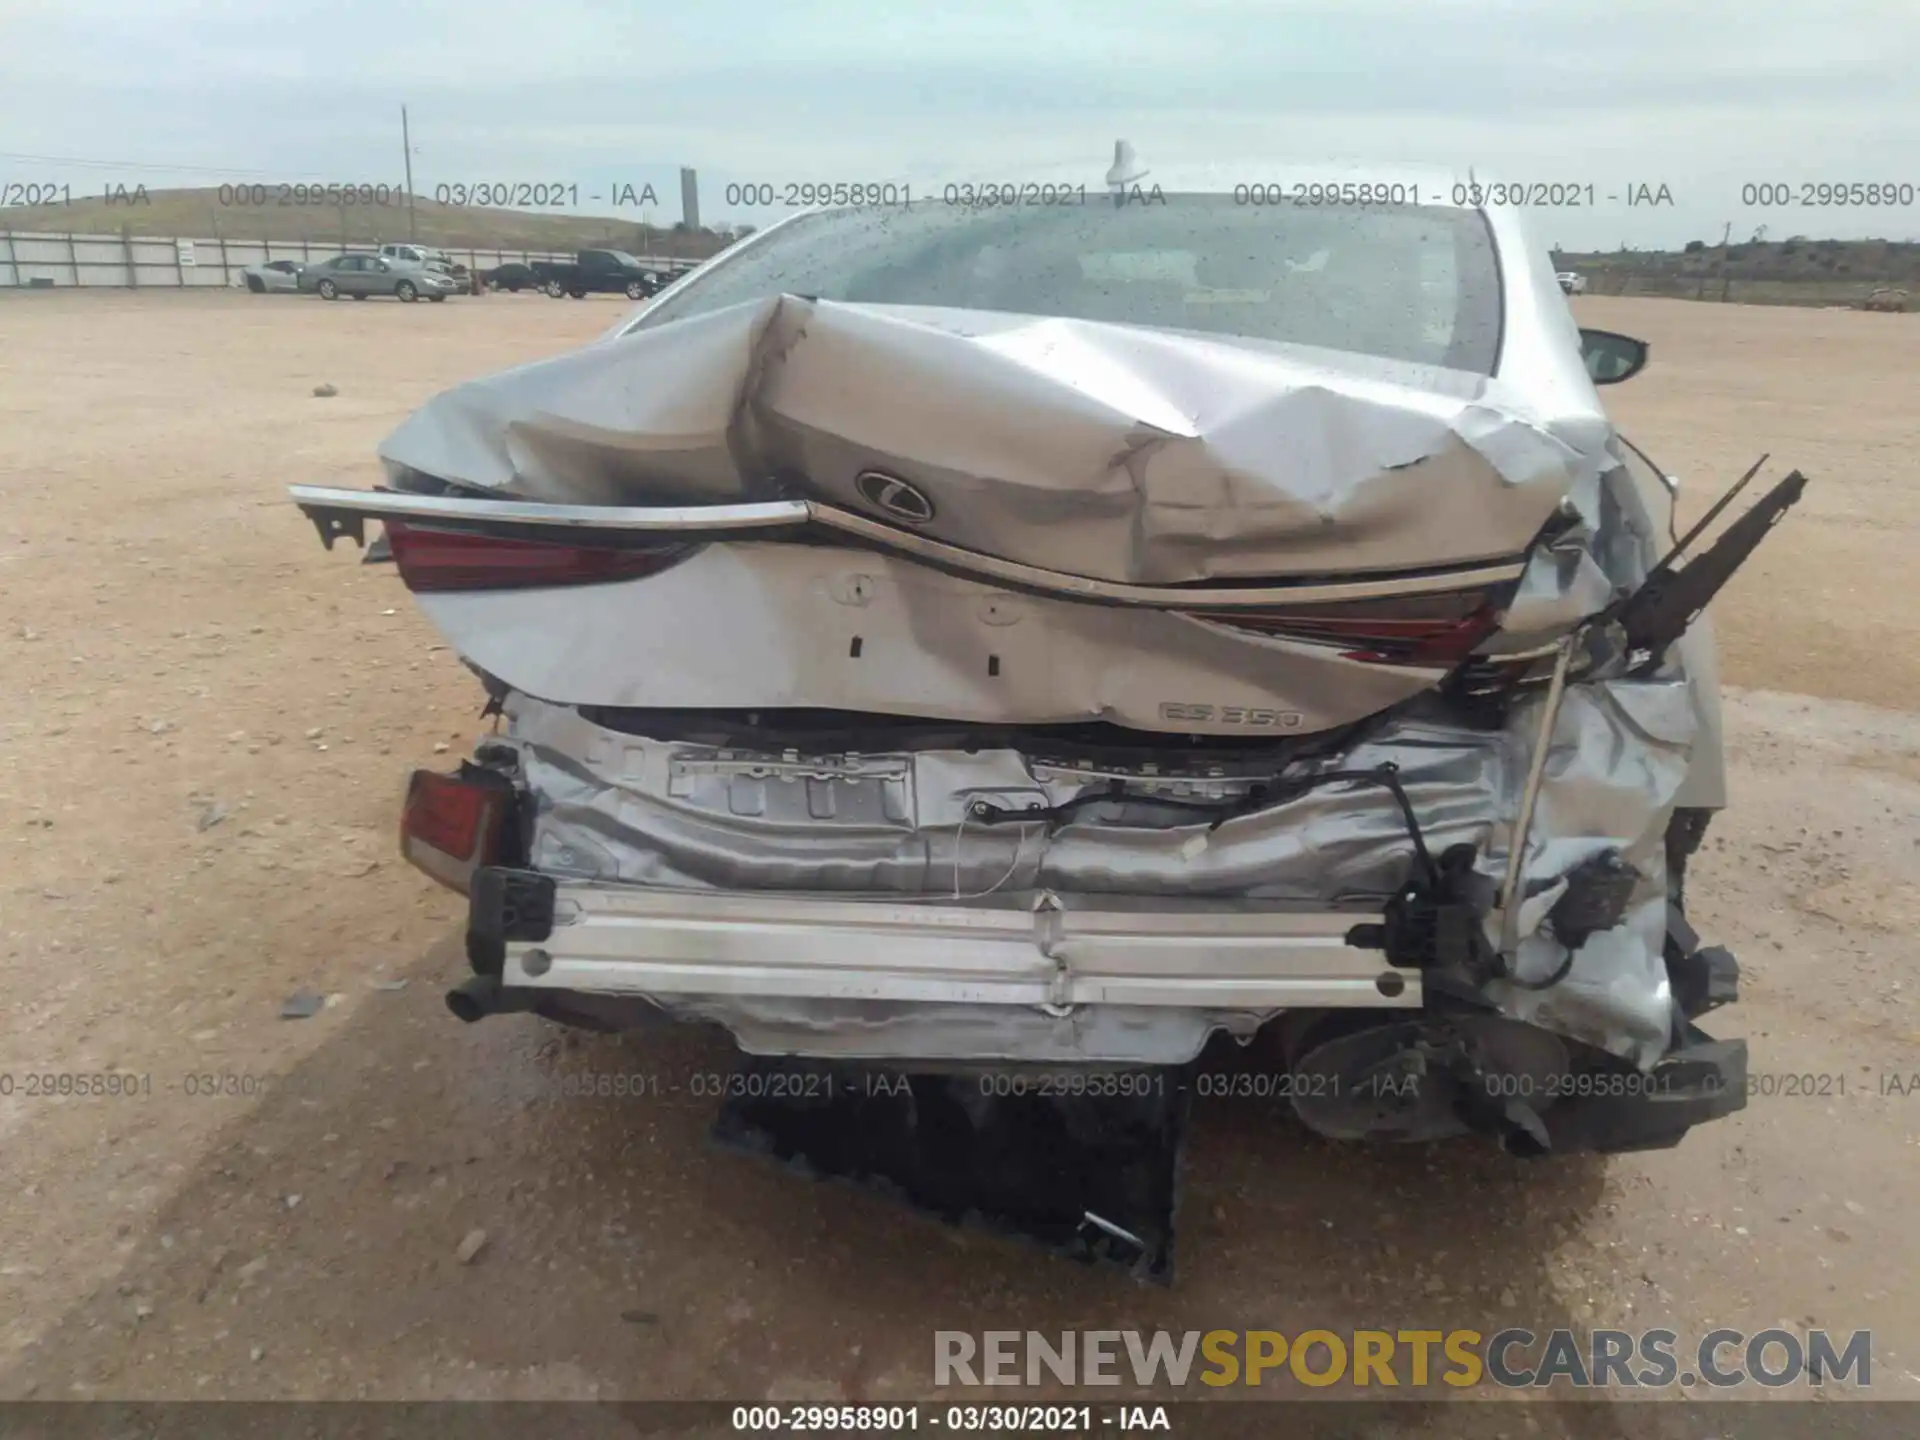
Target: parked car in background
(512,277)
(1572,282)
(1888,298)
(430,257)
(272,277)
(600,272)
(418,255)
(363,275)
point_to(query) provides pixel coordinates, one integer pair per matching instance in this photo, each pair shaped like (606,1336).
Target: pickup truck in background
(600,272)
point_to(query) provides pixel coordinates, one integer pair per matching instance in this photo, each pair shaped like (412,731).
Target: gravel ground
(199,778)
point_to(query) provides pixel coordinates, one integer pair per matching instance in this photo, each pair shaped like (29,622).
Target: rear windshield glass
(1405,283)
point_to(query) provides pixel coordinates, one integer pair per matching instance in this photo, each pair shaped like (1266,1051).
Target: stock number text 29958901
(800,194)
(257,195)
(902,1419)
(1072,1084)
(1331,192)
(1823,193)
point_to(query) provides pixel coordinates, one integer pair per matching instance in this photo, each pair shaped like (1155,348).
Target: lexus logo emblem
(906,503)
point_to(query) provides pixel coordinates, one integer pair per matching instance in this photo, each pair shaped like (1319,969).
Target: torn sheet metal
(617,807)
(1114,452)
(1615,764)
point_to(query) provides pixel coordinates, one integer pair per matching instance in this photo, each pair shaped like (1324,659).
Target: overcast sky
(1701,96)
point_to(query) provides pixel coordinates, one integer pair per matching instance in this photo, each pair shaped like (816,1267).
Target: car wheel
(329,290)
(256,285)
(556,289)
(406,292)
(636,291)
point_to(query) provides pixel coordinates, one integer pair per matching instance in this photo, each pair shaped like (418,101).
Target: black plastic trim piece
(506,905)
(1704,979)
(1705,1079)
(1657,614)
(1596,897)
(1435,921)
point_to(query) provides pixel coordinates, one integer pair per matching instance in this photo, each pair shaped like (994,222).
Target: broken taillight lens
(437,560)
(451,825)
(1426,630)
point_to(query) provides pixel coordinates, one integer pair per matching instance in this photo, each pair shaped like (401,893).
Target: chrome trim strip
(633,941)
(1183,597)
(317,501)
(379,503)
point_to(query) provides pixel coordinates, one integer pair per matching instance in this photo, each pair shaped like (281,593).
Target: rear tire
(256,285)
(329,290)
(406,292)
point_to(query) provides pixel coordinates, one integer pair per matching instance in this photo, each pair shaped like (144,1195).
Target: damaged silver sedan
(1080,636)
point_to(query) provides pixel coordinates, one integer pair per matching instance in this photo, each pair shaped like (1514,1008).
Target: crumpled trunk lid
(983,517)
(1112,452)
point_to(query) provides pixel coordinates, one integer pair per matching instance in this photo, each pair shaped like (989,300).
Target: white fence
(32,260)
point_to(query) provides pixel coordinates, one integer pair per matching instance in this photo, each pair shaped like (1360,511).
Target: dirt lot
(209,718)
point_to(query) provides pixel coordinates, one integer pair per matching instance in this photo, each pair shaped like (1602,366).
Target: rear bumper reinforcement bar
(1049,952)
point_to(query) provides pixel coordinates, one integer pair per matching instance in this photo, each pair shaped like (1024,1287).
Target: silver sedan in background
(361,275)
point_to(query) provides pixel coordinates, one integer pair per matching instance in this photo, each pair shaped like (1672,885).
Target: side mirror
(1611,357)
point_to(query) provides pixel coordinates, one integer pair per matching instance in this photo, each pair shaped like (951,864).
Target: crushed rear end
(956,691)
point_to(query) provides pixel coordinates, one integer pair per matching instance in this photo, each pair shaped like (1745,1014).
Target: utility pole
(1700,289)
(1726,279)
(406,143)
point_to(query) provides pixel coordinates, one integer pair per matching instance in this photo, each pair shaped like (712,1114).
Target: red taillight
(1427,630)
(451,825)
(463,560)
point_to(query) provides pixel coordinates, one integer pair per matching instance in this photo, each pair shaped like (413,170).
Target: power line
(148,165)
